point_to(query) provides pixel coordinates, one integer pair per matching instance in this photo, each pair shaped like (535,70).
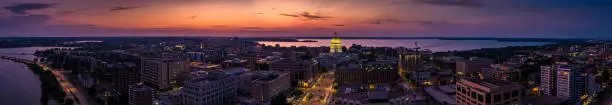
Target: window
(488,98)
(506,95)
(474,95)
(515,93)
(497,98)
(480,98)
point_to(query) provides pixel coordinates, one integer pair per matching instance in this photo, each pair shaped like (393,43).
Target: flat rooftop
(443,94)
(368,94)
(493,85)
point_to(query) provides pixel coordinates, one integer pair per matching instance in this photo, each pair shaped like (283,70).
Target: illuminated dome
(336,44)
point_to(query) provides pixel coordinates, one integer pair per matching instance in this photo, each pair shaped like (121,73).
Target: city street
(320,92)
(69,88)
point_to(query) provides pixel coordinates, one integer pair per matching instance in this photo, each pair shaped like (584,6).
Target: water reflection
(435,45)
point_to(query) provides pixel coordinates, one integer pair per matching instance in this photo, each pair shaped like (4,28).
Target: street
(69,88)
(320,92)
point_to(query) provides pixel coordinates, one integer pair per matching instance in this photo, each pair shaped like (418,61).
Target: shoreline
(49,90)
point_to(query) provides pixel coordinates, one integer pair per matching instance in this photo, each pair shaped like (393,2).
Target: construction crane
(416,46)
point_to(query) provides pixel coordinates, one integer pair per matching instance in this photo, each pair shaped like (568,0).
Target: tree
(322,69)
(69,101)
(279,100)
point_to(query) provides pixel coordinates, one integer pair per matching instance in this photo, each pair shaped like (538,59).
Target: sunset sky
(392,18)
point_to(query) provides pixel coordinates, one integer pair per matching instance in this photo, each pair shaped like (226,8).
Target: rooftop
(266,75)
(443,94)
(370,94)
(140,87)
(205,77)
(492,85)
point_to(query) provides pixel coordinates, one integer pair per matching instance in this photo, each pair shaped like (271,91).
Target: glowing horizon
(478,18)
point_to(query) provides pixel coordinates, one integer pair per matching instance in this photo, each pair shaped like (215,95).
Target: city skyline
(306,18)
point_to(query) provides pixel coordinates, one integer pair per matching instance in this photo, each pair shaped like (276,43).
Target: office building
(124,75)
(505,72)
(161,73)
(382,94)
(472,91)
(242,76)
(570,83)
(548,80)
(209,88)
(410,61)
(472,65)
(421,77)
(376,72)
(299,70)
(141,94)
(268,84)
(563,80)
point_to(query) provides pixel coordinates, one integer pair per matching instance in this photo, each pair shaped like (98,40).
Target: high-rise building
(505,72)
(268,84)
(562,80)
(335,45)
(141,94)
(570,83)
(472,91)
(411,61)
(209,88)
(474,64)
(123,76)
(161,73)
(548,80)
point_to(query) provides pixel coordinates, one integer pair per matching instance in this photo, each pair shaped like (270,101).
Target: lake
(19,85)
(435,45)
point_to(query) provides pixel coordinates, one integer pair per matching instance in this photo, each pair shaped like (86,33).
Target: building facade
(502,72)
(382,94)
(472,65)
(570,83)
(367,73)
(209,88)
(268,84)
(123,77)
(141,94)
(299,70)
(411,61)
(548,80)
(161,73)
(487,92)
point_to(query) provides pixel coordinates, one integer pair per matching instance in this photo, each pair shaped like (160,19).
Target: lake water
(18,84)
(434,45)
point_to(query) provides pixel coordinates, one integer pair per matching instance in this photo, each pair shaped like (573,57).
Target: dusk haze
(261,18)
(305,52)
